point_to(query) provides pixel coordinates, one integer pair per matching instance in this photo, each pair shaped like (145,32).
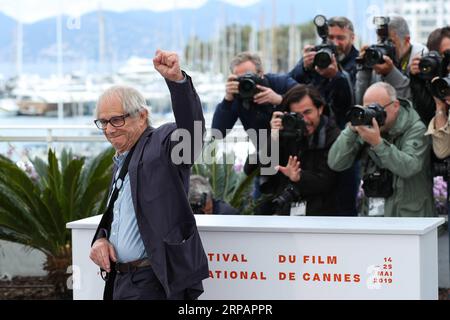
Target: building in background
(423,16)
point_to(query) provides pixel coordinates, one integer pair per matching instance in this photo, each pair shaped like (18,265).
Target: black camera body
(247,85)
(324,55)
(197,207)
(283,201)
(430,66)
(378,184)
(362,116)
(385,47)
(440,87)
(374,54)
(325,50)
(294,126)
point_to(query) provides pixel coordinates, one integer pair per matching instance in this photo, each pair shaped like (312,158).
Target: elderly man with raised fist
(147,243)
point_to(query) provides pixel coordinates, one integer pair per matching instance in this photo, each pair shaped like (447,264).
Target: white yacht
(8,107)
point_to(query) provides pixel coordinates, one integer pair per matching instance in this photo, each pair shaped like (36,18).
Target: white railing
(94,135)
(83,136)
(50,135)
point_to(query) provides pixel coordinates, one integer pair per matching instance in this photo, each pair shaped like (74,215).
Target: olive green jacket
(405,151)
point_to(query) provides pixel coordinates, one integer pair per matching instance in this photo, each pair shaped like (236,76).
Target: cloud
(31,10)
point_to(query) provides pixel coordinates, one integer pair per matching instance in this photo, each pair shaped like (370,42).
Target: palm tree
(34,211)
(227,184)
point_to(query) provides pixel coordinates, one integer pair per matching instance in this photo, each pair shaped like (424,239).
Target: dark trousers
(141,284)
(347,190)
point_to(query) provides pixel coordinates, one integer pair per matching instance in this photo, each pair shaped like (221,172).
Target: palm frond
(226,183)
(36,212)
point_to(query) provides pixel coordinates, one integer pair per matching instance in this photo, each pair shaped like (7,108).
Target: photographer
(425,68)
(202,201)
(342,35)
(388,136)
(335,83)
(250,96)
(438,128)
(389,60)
(252,107)
(334,80)
(304,181)
(441,136)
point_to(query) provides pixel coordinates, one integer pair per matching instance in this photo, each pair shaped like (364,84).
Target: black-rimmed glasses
(384,106)
(118,121)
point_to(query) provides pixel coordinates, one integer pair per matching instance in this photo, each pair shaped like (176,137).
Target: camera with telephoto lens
(294,126)
(197,207)
(362,116)
(283,202)
(430,65)
(325,50)
(374,54)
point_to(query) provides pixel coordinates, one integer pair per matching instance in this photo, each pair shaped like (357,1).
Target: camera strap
(118,181)
(368,161)
(404,62)
(350,85)
(379,183)
(319,138)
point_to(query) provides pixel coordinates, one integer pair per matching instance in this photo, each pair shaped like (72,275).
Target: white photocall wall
(273,257)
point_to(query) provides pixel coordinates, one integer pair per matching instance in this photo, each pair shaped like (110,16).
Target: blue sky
(31,10)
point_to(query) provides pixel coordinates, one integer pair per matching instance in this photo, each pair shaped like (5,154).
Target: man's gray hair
(132,100)
(199,185)
(247,56)
(341,22)
(399,25)
(390,90)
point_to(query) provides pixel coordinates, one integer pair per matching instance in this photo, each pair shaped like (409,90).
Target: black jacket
(422,99)
(221,207)
(349,64)
(317,185)
(337,92)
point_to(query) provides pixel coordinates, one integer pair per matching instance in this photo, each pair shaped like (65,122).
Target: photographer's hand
(308,57)
(292,169)
(385,68)
(371,135)
(330,71)
(414,68)
(276,125)
(362,53)
(441,118)
(231,87)
(267,95)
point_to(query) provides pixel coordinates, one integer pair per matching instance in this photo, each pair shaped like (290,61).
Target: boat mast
(59,58)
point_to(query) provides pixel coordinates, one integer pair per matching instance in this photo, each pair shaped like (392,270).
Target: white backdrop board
(274,257)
